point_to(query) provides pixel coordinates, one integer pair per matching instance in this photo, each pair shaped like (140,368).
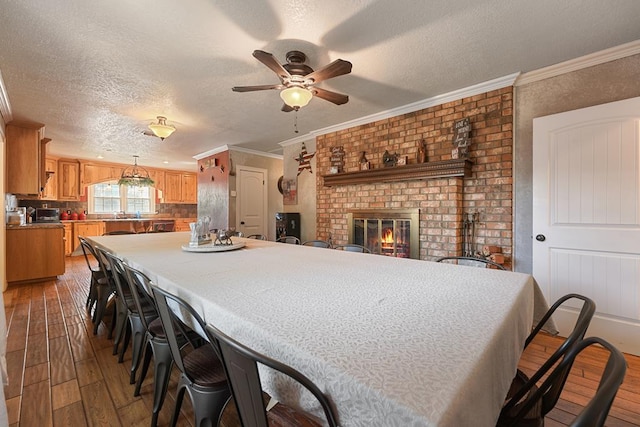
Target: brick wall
(443,203)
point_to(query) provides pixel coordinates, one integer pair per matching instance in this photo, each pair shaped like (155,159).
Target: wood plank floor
(61,374)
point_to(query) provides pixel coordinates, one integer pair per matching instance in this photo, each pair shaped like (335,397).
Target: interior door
(586,216)
(251,199)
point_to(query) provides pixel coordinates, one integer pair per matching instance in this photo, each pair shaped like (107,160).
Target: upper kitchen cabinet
(94,173)
(180,187)
(68,179)
(25,154)
(50,191)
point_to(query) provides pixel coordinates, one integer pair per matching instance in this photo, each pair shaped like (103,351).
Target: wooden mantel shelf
(429,170)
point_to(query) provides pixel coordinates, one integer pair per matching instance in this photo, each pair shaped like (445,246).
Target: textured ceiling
(98,72)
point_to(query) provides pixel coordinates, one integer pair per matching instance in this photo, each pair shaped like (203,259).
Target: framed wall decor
(290,191)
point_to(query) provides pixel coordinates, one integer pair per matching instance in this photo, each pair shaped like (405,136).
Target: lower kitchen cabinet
(85,229)
(69,244)
(34,253)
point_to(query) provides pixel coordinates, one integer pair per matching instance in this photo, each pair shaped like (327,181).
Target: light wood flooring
(60,374)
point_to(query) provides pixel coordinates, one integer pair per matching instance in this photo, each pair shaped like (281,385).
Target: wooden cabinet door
(68,180)
(172,187)
(189,188)
(34,253)
(50,191)
(69,244)
(23,159)
(89,228)
(158,179)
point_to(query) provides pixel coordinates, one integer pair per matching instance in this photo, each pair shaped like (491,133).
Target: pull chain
(295,121)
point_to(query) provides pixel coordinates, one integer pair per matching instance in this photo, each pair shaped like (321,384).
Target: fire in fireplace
(386,232)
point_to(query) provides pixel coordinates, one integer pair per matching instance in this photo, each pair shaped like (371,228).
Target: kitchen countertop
(35,225)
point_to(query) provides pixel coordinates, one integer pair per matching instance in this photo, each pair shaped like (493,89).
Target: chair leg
(114,319)
(146,361)
(120,326)
(125,344)
(101,304)
(138,334)
(162,375)
(179,397)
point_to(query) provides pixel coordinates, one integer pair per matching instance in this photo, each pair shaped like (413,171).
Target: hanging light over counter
(135,175)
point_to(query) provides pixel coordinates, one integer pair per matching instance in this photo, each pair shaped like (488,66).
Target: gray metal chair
(352,247)
(100,288)
(317,243)
(247,405)
(293,240)
(257,236)
(471,261)
(201,372)
(524,403)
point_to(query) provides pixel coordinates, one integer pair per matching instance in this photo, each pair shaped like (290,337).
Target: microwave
(47,215)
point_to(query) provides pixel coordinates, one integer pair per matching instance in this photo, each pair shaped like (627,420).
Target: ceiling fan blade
(253,88)
(286,108)
(270,61)
(336,98)
(337,68)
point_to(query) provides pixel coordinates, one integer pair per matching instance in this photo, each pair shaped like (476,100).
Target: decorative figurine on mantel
(364,163)
(421,156)
(389,159)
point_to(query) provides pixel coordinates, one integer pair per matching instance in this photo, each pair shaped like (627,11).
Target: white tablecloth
(393,342)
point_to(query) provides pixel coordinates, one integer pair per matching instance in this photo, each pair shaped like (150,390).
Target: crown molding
(476,89)
(226,147)
(5,106)
(596,58)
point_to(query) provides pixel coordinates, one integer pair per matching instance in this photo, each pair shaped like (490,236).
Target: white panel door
(586,215)
(251,200)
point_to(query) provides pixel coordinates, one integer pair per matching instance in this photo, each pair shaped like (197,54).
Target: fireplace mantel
(429,170)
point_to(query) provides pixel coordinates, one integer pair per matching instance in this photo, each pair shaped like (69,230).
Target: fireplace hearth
(386,232)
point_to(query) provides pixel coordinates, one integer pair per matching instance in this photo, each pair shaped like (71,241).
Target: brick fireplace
(386,232)
(442,200)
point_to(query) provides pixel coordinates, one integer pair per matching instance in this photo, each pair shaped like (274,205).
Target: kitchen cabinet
(182,224)
(25,152)
(68,179)
(157,175)
(69,243)
(180,187)
(93,173)
(50,191)
(34,253)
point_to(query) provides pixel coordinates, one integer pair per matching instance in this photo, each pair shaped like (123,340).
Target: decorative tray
(210,247)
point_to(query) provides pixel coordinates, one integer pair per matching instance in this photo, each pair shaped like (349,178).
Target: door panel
(252,200)
(586,197)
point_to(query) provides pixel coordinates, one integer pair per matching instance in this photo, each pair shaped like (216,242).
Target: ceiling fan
(297,79)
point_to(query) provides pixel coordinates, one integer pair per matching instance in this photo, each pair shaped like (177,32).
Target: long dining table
(392,342)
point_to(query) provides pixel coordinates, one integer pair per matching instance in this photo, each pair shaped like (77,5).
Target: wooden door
(586,217)
(251,209)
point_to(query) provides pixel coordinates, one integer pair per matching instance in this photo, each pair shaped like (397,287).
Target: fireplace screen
(391,232)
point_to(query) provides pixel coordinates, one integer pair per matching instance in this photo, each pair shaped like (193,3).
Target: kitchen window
(109,197)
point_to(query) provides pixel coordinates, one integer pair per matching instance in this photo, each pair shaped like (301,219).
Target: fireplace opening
(386,232)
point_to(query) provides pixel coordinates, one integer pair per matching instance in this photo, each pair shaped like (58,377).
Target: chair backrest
(238,234)
(472,261)
(595,412)
(241,365)
(257,236)
(87,250)
(178,317)
(352,247)
(118,232)
(118,275)
(289,239)
(140,286)
(552,393)
(317,243)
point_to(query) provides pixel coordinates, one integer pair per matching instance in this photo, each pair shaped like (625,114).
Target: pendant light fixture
(135,175)
(161,129)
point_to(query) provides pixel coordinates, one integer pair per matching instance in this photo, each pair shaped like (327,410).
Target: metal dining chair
(257,236)
(100,288)
(317,243)
(471,261)
(352,247)
(247,405)
(523,402)
(293,240)
(202,375)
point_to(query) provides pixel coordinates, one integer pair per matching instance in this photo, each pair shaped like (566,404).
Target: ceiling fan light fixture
(296,96)
(161,129)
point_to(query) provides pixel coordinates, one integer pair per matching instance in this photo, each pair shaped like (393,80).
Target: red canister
(64,216)
(82,216)
(74,216)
